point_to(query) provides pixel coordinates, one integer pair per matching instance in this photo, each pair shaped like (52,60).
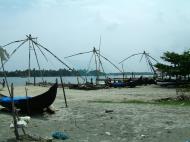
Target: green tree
(177,64)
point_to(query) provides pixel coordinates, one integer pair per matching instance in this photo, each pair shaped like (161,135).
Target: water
(19,81)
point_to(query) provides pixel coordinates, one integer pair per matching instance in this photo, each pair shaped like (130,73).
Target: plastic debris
(60,135)
(20,124)
(108,133)
(25,118)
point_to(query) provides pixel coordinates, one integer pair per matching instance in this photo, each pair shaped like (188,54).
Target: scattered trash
(108,111)
(20,124)
(108,133)
(60,135)
(25,118)
(143,135)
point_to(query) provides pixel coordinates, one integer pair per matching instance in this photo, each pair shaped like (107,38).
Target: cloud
(126,26)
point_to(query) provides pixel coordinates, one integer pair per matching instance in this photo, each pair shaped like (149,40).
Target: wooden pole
(14,114)
(78,80)
(34,77)
(29,60)
(63,91)
(34,80)
(27,102)
(123,73)
(132,75)
(97,71)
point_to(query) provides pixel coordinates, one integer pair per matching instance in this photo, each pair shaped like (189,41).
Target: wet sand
(85,119)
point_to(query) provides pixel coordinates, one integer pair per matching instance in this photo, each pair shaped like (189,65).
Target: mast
(33,44)
(95,58)
(29,56)
(147,57)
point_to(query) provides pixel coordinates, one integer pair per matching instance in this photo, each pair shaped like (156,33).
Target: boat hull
(36,103)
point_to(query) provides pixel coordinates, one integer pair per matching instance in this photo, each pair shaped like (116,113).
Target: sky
(67,27)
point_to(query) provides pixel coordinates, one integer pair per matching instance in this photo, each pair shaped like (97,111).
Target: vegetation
(37,73)
(62,72)
(134,73)
(178,65)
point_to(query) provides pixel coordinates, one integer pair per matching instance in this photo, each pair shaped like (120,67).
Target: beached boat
(36,103)
(167,83)
(86,86)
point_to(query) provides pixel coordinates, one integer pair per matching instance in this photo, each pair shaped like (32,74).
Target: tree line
(177,65)
(63,72)
(49,73)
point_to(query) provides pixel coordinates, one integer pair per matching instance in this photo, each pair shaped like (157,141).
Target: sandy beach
(86,120)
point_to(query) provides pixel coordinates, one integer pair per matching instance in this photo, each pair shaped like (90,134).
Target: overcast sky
(71,26)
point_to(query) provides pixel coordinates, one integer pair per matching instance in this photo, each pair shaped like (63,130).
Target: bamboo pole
(39,45)
(97,72)
(78,80)
(123,73)
(37,61)
(27,102)
(34,80)
(14,113)
(29,61)
(63,91)
(14,51)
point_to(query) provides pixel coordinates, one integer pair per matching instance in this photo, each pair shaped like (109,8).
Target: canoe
(36,103)
(86,87)
(172,83)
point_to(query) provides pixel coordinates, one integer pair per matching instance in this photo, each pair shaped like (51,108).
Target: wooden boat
(36,103)
(172,83)
(86,86)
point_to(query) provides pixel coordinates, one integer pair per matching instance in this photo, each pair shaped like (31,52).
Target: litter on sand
(60,135)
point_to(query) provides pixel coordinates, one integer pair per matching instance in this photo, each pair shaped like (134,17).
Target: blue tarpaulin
(15,99)
(60,135)
(119,84)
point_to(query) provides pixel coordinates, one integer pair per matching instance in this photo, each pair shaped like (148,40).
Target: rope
(78,54)
(129,57)
(111,63)
(37,61)
(57,58)
(14,51)
(100,64)
(12,42)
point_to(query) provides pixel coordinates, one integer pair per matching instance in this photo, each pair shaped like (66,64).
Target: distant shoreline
(64,72)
